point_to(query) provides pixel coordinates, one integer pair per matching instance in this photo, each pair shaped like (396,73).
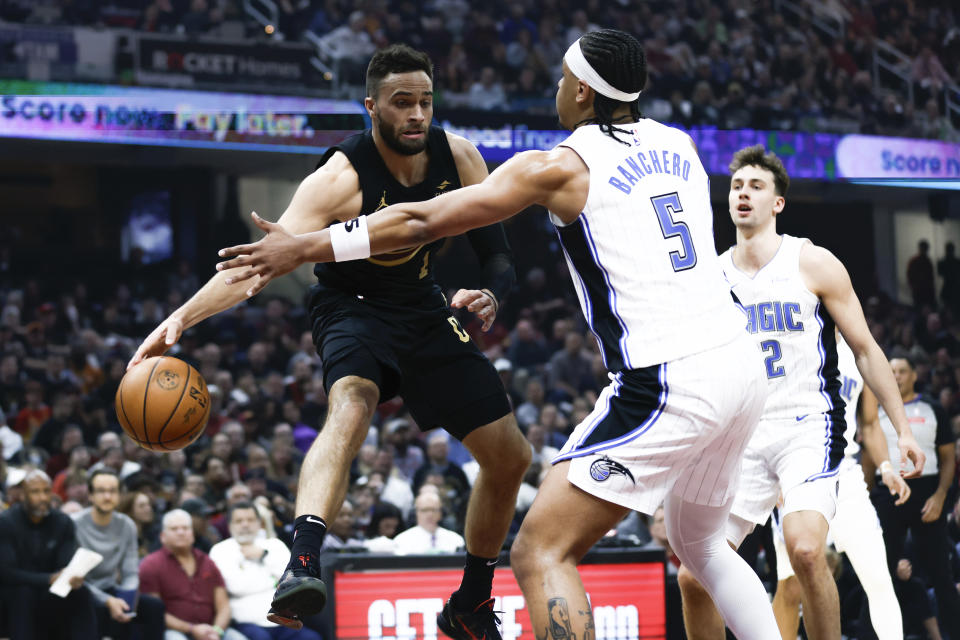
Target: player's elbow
(427,229)
(418,231)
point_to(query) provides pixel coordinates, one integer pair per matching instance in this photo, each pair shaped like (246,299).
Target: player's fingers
(243,275)
(463,297)
(266,225)
(905,493)
(233,263)
(236,250)
(172,333)
(258,287)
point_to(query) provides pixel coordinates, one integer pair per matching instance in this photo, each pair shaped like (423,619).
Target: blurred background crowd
(767,64)
(68,330)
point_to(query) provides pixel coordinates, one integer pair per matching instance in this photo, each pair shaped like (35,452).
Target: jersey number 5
(666,206)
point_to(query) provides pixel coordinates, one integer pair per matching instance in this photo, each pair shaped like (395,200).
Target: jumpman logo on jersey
(383,202)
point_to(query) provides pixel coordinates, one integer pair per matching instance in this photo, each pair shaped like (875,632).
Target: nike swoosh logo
(314,520)
(799,418)
(490,563)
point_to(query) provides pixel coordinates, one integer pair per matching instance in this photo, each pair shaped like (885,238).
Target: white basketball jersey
(642,254)
(851,385)
(796,335)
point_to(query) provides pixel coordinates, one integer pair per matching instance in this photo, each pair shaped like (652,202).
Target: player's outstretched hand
(160,339)
(274,255)
(896,484)
(477,301)
(910,450)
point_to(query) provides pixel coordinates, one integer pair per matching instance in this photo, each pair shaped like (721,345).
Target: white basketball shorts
(791,457)
(681,426)
(853,522)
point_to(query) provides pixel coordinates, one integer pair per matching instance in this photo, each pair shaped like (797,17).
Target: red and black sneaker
(296,597)
(480,624)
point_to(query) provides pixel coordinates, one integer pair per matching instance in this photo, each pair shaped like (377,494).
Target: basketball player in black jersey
(382,328)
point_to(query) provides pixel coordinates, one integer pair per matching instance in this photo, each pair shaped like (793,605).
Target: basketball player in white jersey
(631,204)
(793,293)
(855,529)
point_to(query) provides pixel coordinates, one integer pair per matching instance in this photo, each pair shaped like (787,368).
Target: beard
(245,538)
(38,511)
(393,139)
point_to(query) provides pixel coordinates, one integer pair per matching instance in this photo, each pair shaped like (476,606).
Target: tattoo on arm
(558,615)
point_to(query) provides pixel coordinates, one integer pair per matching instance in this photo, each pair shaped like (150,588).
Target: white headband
(579,66)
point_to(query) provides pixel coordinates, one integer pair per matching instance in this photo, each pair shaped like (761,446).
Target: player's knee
(356,393)
(521,457)
(505,455)
(522,557)
(532,554)
(806,556)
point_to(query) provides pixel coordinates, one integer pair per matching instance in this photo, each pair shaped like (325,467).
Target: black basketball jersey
(401,277)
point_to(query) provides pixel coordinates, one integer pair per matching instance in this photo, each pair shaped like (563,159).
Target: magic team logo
(604,467)
(168,379)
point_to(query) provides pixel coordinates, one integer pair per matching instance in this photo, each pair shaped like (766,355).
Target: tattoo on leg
(559,616)
(589,630)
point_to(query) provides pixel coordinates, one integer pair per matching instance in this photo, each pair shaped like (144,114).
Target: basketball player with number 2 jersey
(793,293)
(855,528)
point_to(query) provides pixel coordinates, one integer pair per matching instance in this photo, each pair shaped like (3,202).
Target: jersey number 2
(666,206)
(774,370)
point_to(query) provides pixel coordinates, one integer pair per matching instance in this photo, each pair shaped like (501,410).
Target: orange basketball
(163,403)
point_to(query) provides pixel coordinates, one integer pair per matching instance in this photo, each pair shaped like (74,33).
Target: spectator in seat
(342,533)
(438,461)
(115,581)
(189,584)
(350,45)
(36,543)
(250,565)
(138,506)
(427,536)
(487,93)
(407,452)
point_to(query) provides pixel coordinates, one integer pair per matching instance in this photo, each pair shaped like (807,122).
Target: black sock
(308,534)
(477,582)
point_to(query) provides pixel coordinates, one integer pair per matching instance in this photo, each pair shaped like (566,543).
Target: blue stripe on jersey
(638,399)
(830,384)
(599,296)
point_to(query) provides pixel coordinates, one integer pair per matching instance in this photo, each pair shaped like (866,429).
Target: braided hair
(619,59)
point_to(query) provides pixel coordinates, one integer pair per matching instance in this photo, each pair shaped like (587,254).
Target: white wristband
(886,466)
(349,240)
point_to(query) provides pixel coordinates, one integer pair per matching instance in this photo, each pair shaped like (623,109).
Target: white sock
(696,534)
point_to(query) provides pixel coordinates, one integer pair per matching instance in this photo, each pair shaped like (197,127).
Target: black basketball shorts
(424,357)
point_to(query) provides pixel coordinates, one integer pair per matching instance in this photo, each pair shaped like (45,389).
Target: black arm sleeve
(496,259)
